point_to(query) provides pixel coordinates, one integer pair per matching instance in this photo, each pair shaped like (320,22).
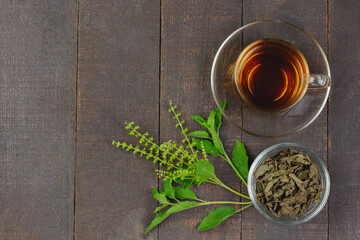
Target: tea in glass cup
(274,76)
(271,74)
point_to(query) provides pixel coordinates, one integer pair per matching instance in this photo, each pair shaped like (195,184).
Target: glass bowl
(314,209)
(262,123)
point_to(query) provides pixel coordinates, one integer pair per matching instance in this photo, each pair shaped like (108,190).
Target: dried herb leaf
(288,183)
(261,170)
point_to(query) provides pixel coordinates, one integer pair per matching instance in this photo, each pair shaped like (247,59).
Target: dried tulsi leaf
(288,183)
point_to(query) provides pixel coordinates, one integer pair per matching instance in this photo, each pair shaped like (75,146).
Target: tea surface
(271,74)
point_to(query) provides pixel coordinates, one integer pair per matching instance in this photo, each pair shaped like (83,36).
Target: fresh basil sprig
(187,164)
(239,160)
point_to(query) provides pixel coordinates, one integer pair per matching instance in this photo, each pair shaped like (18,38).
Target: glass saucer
(254,121)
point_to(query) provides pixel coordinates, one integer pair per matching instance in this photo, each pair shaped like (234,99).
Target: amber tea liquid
(271,75)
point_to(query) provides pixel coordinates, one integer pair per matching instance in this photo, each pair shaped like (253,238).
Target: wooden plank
(191,33)
(344,124)
(311,16)
(37,119)
(118,82)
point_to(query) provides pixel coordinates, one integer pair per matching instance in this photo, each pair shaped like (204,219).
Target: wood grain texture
(191,33)
(37,119)
(118,82)
(311,16)
(344,126)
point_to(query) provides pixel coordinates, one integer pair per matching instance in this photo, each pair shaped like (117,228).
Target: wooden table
(72,72)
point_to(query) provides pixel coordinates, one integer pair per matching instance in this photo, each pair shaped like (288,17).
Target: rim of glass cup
(260,158)
(214,92)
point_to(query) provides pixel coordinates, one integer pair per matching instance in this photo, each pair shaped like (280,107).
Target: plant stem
(227,159)
(235,192)
(157,146)
(244,207)
(211,181)
(182,129)
(225,202)
(218,182)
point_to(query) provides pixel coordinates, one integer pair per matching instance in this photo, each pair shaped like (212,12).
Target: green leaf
(201,121)
(176,208)
(198,119)
(182,206)
(219,115)
(200,182)
(240,159)
(182,193)
(214,120)
(208,146)
(200,134)
(217,110)
(214,124)
(223,105)
(159,208)
(205,169)
(159,196)
(169,190)
(217,142)
(185,182)
(158,219)
(211,120)
(188,183)
(215,217)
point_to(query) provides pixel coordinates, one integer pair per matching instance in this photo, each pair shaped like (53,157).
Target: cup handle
(319,81)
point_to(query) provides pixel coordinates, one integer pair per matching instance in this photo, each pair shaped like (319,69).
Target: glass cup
(243,113)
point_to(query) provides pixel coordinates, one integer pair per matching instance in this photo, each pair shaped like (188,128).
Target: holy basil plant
(187,164)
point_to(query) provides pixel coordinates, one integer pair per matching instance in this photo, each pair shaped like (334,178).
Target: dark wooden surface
(344,126)
(72,72)
(118,81)
(37,119)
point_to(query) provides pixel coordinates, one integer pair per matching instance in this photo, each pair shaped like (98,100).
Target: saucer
(254,121)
